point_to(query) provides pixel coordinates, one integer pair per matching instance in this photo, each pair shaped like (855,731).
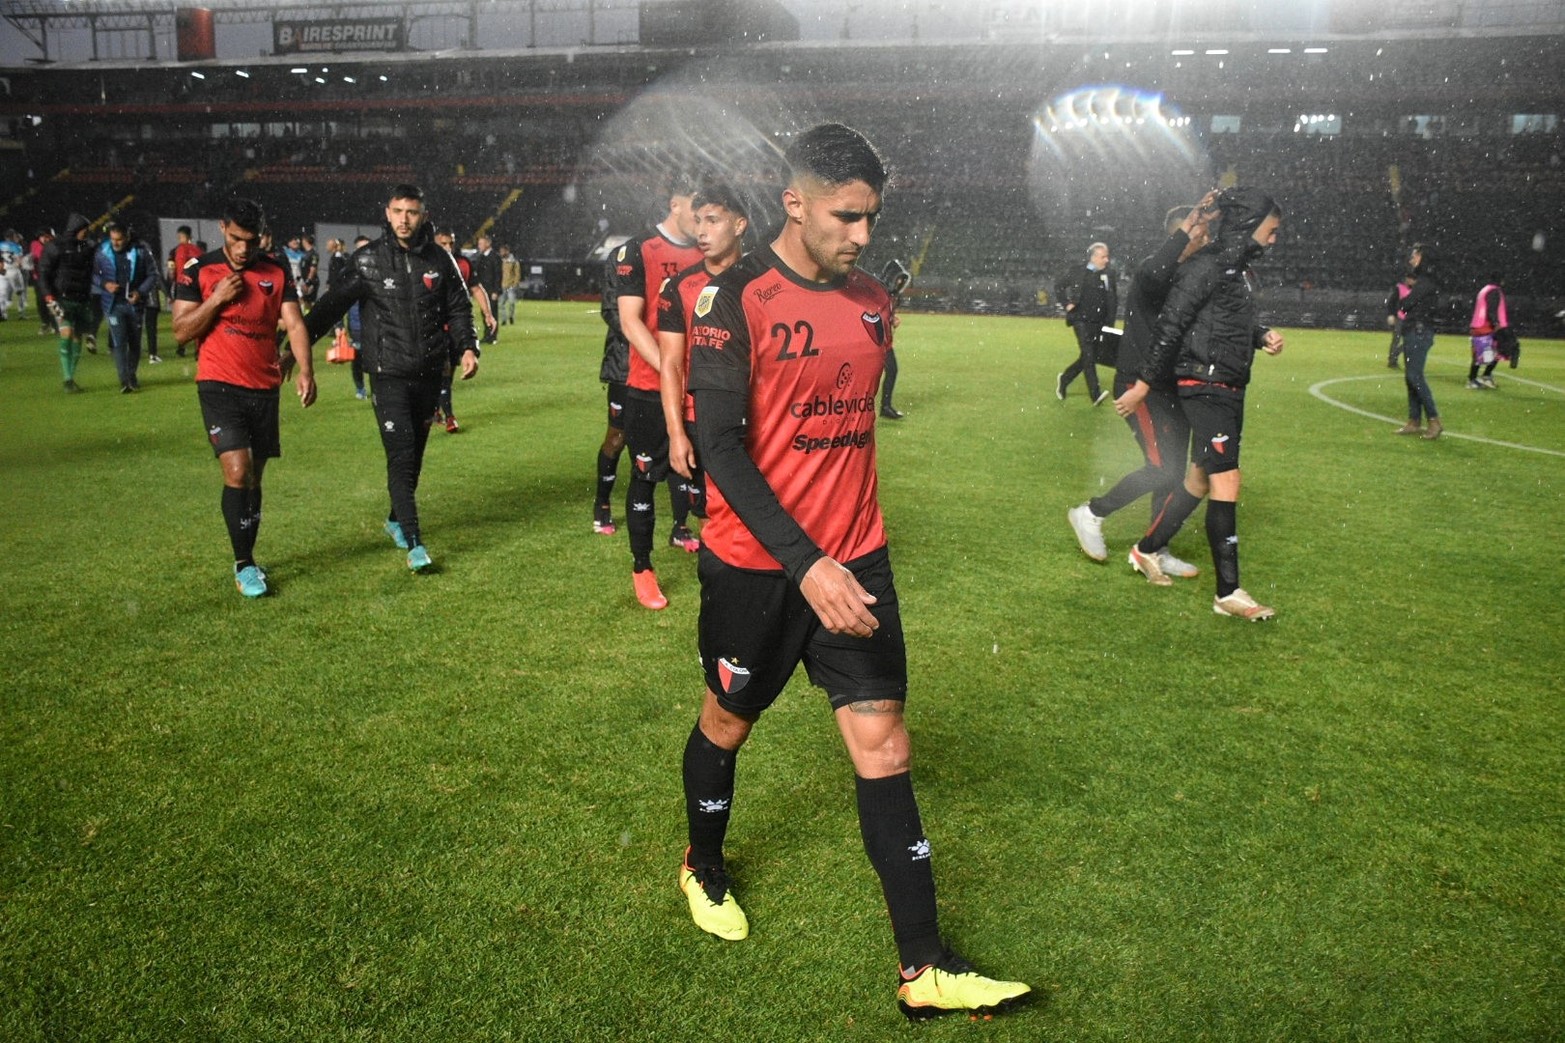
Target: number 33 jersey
(808,357)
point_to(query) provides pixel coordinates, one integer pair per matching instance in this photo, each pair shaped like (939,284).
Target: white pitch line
(1316,390)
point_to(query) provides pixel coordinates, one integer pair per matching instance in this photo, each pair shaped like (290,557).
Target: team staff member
(229,302)
(641,267)
(65,286)
(1205,338)
(1420,309)
(417,322)
(785,363)
(721,222)
(1158,423)
(1091,302)
(123,278)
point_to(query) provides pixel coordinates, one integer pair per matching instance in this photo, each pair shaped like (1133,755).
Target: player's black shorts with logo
(646,433)
(1216,415)
(616,406)
(756,627)
(240,418)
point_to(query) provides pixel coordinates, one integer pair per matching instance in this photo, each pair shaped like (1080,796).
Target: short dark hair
(716,192)
(183,230)
(361,239)
(246,214)
(113,226)
(834,154)
(406,191)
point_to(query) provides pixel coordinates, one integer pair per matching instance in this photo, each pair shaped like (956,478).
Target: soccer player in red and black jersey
(184,251)
(721,222)
(787,350)
(230,301)
(641,267)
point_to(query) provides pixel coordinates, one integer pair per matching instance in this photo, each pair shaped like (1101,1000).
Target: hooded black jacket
(417,318)
(1207,330)
(65,266)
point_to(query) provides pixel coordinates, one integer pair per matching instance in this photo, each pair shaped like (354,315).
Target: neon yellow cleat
(712,904)
(952,985)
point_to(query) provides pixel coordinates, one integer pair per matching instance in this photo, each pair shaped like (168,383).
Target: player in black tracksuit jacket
(1205,340)
(1158,423)
(417,323)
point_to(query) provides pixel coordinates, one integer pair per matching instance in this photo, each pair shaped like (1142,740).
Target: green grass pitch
(379,806)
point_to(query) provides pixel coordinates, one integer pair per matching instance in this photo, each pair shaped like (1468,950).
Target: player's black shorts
(240,418)
(617,406)
(755,627)
(646,433)
(1216,418)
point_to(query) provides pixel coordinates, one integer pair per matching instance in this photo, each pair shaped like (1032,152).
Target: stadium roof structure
(145,30)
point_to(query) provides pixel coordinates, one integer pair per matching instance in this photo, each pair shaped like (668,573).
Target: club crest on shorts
(731,676)
(431,279)
(643,463)
(704,302)
(1220,444)
(875,326)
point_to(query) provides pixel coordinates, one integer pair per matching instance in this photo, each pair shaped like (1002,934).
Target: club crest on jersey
(1220,444)
(731,676)
(431,279)
(875,326)
(266,285)
(704,302)
(621,255)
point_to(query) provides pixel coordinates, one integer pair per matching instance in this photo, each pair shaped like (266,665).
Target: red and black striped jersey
(641,267)
(241,347)
(809,358)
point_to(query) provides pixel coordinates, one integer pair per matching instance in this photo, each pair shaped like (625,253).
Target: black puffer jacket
(1207,330)
(65,266)
(416,315)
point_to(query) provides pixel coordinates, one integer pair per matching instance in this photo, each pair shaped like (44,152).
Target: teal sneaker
(419,559)
(250,580)
(394,530)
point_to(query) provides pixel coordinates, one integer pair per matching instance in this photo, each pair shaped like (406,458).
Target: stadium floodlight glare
(198,75)
(1181,51)
(320,79)
(242,74)
(1314,50)
(299,69)
(1217,50)
(383,80)
(349,79)
(1279,50)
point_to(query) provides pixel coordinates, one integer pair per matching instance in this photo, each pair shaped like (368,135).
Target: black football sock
(1169,520)
(894,839)
(640,519)
(236,515)
(255,515)
(607,466)
(678,499)
(1472,372)
(1222,533)
(709,797)
(888,383)
(1488,370)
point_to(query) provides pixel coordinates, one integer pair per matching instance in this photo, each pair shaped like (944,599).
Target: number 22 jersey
(808,357)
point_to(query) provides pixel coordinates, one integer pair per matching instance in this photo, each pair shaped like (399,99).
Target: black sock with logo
(709,796)
(236,515)
(640,519)
(1222,533)
(894,839)
(607,467)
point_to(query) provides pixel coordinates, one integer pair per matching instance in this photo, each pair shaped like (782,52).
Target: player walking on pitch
(229,301)
(786,358)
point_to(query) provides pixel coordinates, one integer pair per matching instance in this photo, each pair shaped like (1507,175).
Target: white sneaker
(1488,382)
(1172,566)
(1242,606)
(1089,532)
(1148,566)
